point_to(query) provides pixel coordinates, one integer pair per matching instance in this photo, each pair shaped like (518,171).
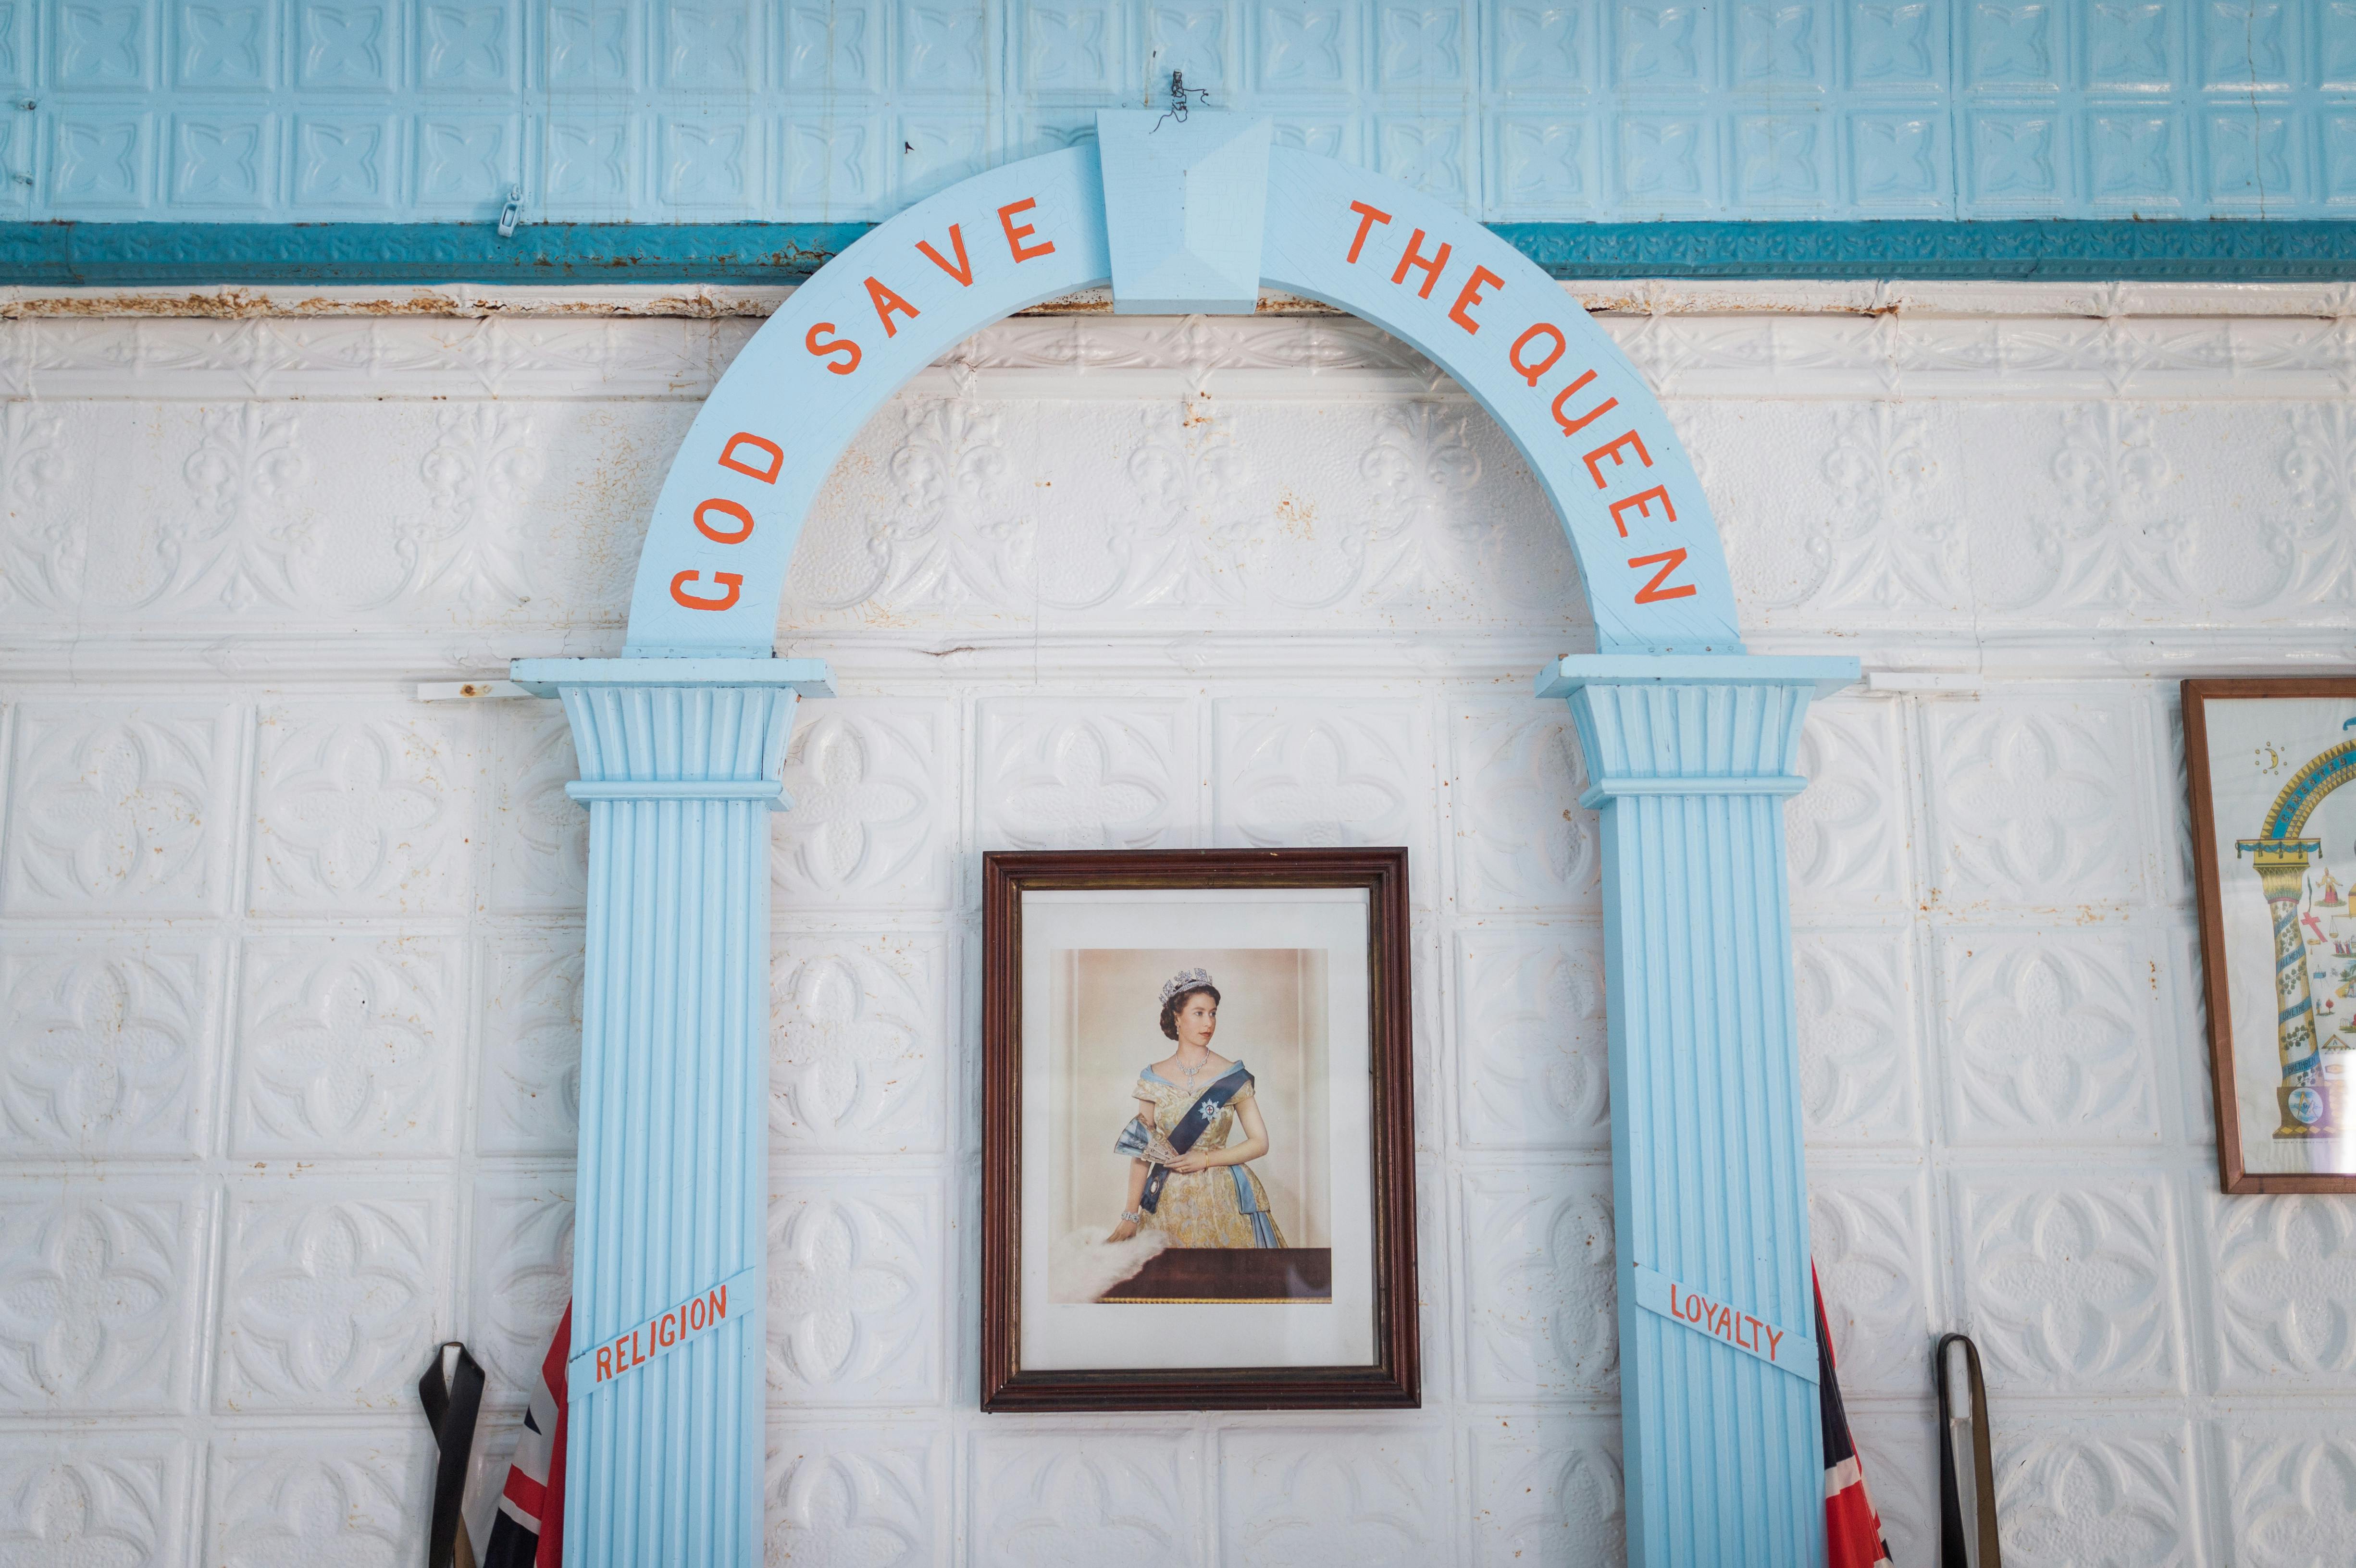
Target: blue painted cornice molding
(162,254)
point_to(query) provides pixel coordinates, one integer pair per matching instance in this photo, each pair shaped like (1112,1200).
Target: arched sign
(1690,747)
(725,528)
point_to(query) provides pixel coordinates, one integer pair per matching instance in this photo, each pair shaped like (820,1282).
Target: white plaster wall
(290,956)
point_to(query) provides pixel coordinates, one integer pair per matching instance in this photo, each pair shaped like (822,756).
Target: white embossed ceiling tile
(1529,1038)
(120,1489)
(1857,1001)
(115,1043)
(890,1487)
(1521,841)
(2037,799)
(122,807)
(528,1043)
(2070,1278)
(1546,1489)
(348,1044)
(365,808)
(539,838)
(1291,1495)
(2055,1036)
(1849,836)
(102,1288)
(1052,774)
(340,1493)
(1538,1303)
(877,805)
(860,1042)
(335,1289)
(857,1290)
(1870,1228)
(518,1281)
(1134,1497)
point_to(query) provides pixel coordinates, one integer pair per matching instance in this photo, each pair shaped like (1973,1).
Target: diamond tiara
(1185,980)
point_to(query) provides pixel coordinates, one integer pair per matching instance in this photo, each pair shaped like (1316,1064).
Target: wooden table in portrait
(1230,1275)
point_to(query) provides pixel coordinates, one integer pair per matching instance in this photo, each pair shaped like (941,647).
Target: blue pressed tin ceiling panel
(1784,117)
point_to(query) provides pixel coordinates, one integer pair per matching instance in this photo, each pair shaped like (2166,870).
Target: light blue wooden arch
(1691,746)
(810,405)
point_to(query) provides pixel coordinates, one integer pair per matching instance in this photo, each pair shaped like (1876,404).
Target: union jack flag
(1852,1530)
(528,1530)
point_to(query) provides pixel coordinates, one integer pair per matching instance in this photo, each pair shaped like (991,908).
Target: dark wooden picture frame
(2232,1174)
(1394,1379)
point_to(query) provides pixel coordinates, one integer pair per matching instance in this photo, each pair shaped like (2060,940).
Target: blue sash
(1191,1127)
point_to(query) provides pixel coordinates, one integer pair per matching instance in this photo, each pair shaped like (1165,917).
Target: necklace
(1192,1073)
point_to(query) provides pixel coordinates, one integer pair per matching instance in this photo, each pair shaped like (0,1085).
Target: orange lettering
(1668,560)
(1531,373)
(1367,217)
(1611,449)
(695,1315)
(963,271)
(1657,493)
(718,1302)
(745,438)
(886,302)
(1414,257)
(1574,426)
(1014,236)
(732,580)
(832,345)
(734,510)
(604,1363)
(1471,296)
(1774,1338)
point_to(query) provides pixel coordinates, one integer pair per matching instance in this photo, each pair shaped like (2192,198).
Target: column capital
(1822,673)
(679,729)
(546,677)
(1693,723)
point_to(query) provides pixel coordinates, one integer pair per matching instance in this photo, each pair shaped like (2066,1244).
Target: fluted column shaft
(1689,761)
(680,765)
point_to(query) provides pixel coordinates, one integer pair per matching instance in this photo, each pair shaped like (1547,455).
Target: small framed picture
(1198,1172)
(2274,850)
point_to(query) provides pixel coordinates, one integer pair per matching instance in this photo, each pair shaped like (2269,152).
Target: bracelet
(1133,1217)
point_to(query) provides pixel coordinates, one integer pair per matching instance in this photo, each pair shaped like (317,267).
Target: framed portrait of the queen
(1197,1147)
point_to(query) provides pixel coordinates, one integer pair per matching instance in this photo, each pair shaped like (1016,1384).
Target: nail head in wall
(466,691)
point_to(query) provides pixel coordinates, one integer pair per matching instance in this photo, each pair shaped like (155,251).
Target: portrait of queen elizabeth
(1198,1128)
(1198,1149)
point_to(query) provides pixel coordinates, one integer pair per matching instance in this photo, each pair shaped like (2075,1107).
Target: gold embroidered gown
(1224,1206)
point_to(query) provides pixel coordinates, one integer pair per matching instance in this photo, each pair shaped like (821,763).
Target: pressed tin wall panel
(688,110)
(290,960)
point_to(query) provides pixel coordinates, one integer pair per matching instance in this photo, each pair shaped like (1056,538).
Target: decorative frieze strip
(400,661)
(1827,354)
(1634,296)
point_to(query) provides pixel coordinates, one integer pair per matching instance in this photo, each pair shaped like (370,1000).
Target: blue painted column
(1690,759)
(681,762)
